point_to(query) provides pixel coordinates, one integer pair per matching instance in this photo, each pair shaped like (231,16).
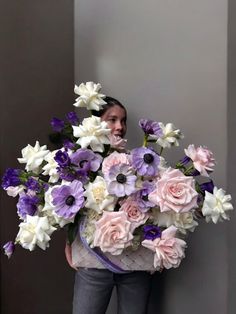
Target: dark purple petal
(72,118)
(150,127)
(185,160)
(207,186)
(86,159)
(151,232)
(33,184)
(9,248)
(62,158)
(11,177)
(57,124)
(68,144)
(27,205)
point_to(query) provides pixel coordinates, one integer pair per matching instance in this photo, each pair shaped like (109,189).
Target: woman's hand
(68,253)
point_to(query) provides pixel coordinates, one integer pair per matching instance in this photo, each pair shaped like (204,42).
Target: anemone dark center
(121,178)
(70,200)
(83,163)
(148,158)
(145,198)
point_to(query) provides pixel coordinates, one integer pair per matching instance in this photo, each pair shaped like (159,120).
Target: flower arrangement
(117,200)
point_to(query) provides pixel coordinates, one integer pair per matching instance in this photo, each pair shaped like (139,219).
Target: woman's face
(116,120)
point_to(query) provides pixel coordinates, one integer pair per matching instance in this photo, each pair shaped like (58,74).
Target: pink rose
(114,159)
(202,159)
(117,142)
(174,191)
(134,214)
(113,232)
(169,251)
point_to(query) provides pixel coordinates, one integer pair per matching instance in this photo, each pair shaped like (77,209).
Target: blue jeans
(93,289)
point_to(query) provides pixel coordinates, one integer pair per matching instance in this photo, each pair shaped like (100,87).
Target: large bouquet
(116,202)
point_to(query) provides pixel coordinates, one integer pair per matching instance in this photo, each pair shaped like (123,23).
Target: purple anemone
(68,199)
(145,161)
(121,180)
(141,196)
(86,160)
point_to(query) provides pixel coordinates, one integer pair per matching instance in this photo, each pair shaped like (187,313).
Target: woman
(93,287)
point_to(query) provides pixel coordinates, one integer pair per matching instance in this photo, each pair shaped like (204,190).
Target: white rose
(89,96)
(51,167)
(14,190)
(33,156)
(92,132)
(98,197)
(216,205)
(34,231)
(170,135)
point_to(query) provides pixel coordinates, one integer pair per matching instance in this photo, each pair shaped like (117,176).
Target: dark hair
(110,102)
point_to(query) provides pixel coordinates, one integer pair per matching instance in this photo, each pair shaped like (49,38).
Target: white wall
(167,60)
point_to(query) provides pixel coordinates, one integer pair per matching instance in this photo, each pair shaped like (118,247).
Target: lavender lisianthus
(72,118)
(121,180)
(11,177)
(57,124)
(145,161)
(9,248)
(151,232)
(62,158)
(68,199)
(33,184)
(141,196)
(86,159)
(27,205)
(150,127)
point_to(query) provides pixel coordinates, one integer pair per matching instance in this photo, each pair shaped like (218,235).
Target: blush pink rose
(174,191)
(114,159)
(134,214)
(169,250)
(113,233)
(202,158)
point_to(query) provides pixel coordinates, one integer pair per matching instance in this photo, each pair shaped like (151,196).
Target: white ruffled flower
(33,156)
(51,167)
(183,221)
(92,132)
(35,231)
(49,211)
(89,96)
(98,197)
(14,190)
(170,135)
(216,205)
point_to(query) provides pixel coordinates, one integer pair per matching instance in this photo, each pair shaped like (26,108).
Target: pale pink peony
(114,159)
(202,158)
(113,233)
(134,214)
(174,191)
(169,251)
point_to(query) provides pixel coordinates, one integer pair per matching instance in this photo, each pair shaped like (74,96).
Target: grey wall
(36,83)
(168,60)
(231,173)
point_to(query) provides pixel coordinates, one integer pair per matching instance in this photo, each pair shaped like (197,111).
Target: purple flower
(27,205)
(67,174)
(121,180)
(9,248)
(57,124)
(151,232)
(150,127)
(68,144)
(141,196)
(207,186)
(86,160)
(145,161)
(68,199)
(11,177)
(185,160)
(62,158)
(72,118)
(33,184)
